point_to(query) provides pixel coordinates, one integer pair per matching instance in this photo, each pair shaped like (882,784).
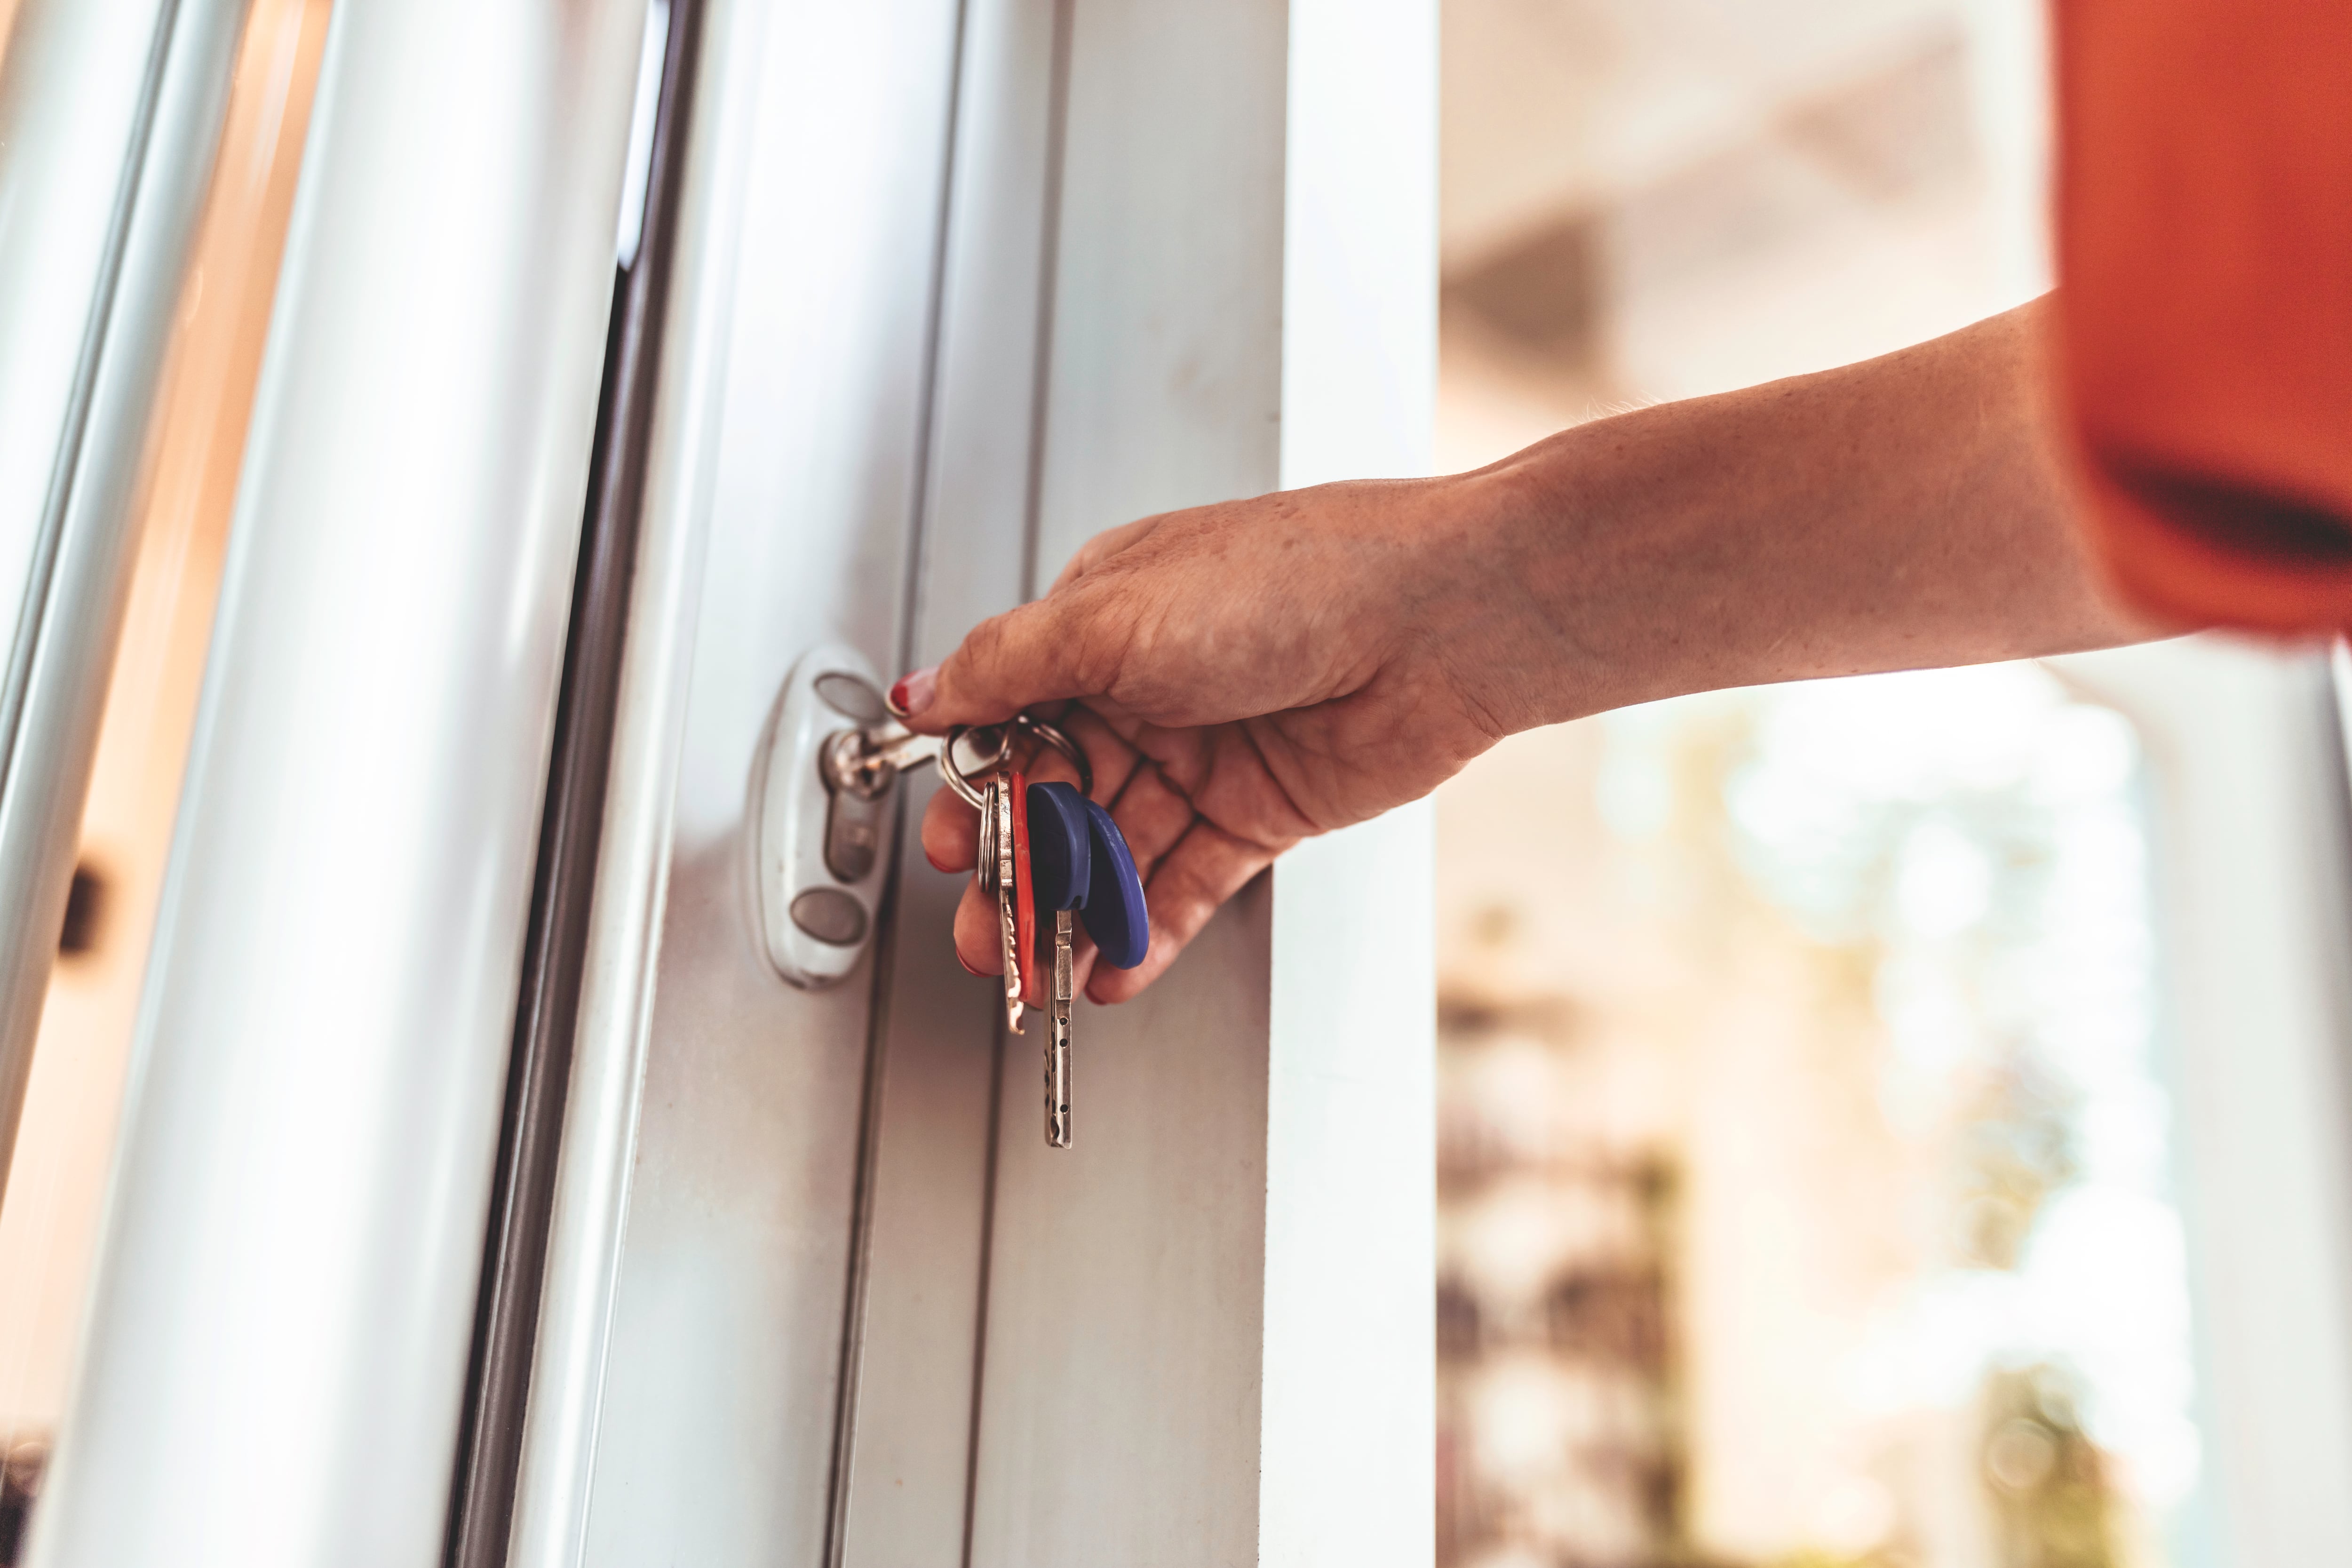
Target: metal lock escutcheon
(823,817)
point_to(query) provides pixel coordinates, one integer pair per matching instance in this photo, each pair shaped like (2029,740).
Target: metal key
(1060,855)
(1028,874)
(1016,798)
(1057,1050)
(996,875)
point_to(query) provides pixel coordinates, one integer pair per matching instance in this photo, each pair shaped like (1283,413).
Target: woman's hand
(1245,675)
(1241,675)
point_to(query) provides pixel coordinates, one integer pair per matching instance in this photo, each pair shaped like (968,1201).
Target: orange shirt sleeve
(2205,308)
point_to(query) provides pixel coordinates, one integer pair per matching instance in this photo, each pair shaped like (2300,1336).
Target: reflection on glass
(48,1221)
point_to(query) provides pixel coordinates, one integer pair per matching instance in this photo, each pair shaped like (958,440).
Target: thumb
(1042,652)
(1110,542)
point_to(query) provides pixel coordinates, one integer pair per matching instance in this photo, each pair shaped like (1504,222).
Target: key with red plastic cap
(1016,893)
(1007,882)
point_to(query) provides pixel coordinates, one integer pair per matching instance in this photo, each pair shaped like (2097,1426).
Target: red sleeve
(2205,258)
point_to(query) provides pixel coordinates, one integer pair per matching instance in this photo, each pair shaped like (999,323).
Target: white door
(956,286)
(485,1190)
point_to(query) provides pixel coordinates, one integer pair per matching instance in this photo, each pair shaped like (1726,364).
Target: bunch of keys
(1047,847)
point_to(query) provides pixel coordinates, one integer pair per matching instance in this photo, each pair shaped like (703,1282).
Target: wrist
(1523,567)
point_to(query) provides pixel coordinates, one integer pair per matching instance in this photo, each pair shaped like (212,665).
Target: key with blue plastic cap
(1113,910)
(1060,859)
(1000,872)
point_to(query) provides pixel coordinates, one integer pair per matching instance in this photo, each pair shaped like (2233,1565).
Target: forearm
(1908,511)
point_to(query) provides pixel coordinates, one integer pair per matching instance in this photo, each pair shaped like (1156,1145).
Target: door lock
(826,817)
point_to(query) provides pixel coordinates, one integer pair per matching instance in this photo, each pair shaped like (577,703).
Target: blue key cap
(1058,849)
(1113,910)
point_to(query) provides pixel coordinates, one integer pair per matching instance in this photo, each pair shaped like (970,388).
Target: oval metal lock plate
(819,856)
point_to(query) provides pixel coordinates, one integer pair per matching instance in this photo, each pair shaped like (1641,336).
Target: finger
(1232,782)
(950,833)
(1082,963)
(1110,760)
(1036,990)
(978,942)
(1113,760)
(1152,815)
(1206,867)
(1183,756)
(1044,650)
(1221,769)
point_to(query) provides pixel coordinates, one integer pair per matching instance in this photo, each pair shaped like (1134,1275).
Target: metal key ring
(963,786)
(1053,735)
(969,792)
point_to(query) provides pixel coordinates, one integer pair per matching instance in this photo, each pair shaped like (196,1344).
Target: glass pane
(48,1220)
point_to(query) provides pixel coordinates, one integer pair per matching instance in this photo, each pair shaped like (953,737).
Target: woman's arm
(1906,512)
(1251,673)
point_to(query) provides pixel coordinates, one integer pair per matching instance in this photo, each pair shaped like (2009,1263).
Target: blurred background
(1806,1173)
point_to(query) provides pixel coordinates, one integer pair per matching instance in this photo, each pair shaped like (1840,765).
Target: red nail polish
(913,693)
(968,969)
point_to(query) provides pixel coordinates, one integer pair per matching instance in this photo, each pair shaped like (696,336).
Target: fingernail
(914,692)
(968,969)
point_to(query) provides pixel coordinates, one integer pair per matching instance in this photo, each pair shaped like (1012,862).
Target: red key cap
(1024,907)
